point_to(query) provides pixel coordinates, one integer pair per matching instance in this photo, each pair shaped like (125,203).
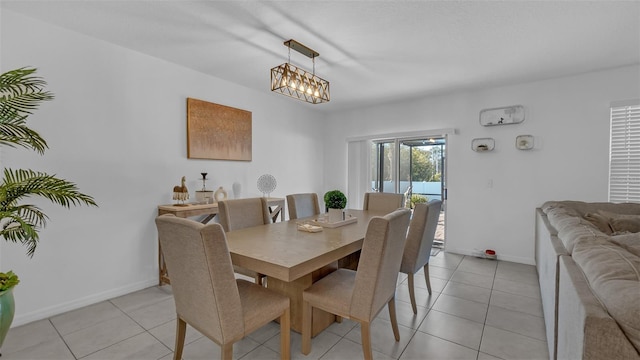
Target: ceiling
(370,51)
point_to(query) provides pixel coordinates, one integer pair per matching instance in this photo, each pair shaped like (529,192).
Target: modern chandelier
(298,83)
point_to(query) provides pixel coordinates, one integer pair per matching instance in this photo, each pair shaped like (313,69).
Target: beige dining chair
(417,250)
(302,205)
(360,295)
(238,214)
(386,202)
(207,296)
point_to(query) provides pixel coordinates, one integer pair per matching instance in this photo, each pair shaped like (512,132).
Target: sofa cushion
(630,242)
(613,274)
(622,222)
(580,207)
(600,221)
(583,230)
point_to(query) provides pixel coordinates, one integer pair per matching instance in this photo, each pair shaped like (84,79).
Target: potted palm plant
(21,92)
(335,202)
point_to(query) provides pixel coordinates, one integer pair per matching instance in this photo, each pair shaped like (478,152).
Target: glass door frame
(397,142)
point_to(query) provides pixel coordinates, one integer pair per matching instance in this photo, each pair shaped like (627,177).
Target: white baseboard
(516,259)
(78,303)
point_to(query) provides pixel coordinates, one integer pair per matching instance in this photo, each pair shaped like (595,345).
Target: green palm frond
(22,226)
(13,132)
(20,183)
(20,94)
(20,223)
(22,91)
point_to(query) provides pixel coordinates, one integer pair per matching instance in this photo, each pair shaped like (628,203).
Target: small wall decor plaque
(482,144)
(217,132)
(524,142)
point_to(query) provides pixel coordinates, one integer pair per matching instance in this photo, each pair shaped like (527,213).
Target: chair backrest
(377,273)
(302,205)
(202,280)
(382,201)
(243,213)
(422,230)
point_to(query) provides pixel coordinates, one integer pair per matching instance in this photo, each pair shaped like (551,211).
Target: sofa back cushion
(621,223)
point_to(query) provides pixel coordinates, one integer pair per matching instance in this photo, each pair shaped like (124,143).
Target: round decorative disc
(267,183)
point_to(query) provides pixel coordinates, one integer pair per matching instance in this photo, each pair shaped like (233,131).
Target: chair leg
(181,330)
(426,277)
(306,327)
(285,335)
(258,279)
(392,317)
(365,330)
(227,351)
(412,294)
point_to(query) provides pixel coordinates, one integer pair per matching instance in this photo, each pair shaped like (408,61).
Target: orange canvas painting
(217,132)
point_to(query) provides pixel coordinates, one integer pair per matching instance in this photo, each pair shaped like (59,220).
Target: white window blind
(624,162)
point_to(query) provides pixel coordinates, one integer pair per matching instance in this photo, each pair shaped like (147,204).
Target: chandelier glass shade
(298,83)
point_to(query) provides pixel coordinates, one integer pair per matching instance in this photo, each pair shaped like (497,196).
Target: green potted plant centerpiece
(20,93)
(335,202)
(417,199)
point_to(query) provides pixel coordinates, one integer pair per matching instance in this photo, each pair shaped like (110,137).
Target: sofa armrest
(585,329)
(548,249)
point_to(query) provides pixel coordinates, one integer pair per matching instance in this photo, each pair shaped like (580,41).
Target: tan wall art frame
(217,132)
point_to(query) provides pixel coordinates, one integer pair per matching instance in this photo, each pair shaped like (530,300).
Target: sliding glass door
(411,166)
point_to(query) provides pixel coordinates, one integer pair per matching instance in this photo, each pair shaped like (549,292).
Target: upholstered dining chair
(302,205)
(360,295)
(238,214)
(386,202)
(417,250)
(207,296)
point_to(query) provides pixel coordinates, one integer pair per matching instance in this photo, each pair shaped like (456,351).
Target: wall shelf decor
(502,116)
(524,142)
(483,144)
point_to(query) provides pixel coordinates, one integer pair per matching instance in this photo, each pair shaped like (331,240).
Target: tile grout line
(484,324)
(62,338)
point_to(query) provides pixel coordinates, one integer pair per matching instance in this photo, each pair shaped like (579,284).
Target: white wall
(117,128)
(569,118)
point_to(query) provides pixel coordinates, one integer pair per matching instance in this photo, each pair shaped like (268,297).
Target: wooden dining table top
(282,251)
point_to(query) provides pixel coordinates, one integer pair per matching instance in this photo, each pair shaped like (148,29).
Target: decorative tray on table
(324,222)
(309,227)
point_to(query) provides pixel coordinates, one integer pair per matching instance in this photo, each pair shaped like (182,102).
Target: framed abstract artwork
(217,132)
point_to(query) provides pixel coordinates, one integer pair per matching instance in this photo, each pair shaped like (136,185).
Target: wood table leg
(320,319)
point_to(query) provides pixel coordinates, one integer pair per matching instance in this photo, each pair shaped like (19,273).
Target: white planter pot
(335,215)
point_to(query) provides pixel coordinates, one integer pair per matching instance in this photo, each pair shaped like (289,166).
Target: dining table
(293,259)
(207,211)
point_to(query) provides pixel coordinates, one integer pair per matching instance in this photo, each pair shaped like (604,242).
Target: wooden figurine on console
(181,193)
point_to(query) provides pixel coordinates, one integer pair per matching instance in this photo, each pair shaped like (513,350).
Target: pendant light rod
(302,49)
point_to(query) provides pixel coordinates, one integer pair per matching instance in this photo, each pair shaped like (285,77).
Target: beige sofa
(588,262)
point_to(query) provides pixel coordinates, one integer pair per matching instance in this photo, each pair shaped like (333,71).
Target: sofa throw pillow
(621,223)
(599,221)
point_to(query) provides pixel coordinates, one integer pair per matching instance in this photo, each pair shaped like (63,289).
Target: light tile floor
(479,309)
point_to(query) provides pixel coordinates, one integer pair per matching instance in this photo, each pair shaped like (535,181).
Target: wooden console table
(276,207)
